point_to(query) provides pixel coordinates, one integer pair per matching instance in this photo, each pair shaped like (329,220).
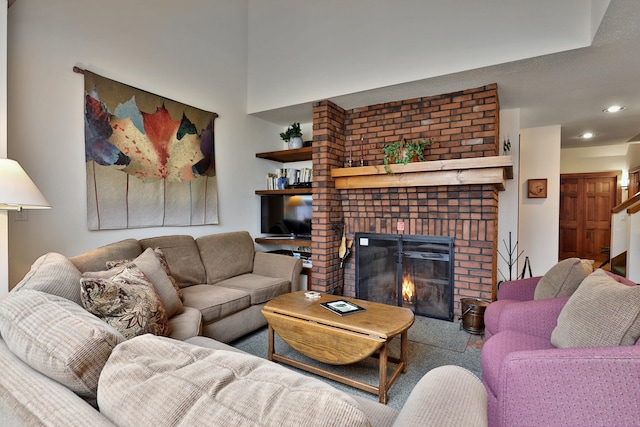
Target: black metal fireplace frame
(400,240)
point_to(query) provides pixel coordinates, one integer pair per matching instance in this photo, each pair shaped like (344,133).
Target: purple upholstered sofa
(530,382)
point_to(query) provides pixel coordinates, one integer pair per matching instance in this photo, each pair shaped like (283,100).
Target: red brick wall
(463,125)
(328,153)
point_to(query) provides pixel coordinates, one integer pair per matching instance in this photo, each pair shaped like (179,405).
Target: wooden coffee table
(339,340)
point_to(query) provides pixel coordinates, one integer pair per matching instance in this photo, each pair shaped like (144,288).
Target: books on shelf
(272,181)
(291,176)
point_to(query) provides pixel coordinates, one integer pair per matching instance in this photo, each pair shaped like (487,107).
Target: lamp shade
(17,191)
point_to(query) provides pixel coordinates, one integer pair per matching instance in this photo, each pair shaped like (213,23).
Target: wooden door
(586,201)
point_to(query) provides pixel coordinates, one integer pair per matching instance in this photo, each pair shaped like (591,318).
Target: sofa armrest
(186,324)
(445,396)
(577,386)
(519,290)
(538,317)
(276,265)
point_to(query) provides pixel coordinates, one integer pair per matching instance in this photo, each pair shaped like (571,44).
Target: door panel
(586,201)
(569,217)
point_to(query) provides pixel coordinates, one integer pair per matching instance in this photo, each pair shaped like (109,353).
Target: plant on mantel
(404,152)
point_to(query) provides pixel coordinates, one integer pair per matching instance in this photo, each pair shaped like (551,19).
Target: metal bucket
(473,314)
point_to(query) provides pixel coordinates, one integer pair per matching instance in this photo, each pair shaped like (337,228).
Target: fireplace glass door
(406,270)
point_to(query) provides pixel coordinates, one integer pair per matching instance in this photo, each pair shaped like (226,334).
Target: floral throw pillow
(127,301)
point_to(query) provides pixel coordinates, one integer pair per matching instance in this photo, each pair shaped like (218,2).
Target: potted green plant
(404,152)
(292,136)
(392,153)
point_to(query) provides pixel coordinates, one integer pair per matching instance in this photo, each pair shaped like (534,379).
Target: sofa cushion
(182,256)
(601,312)
(563,278)
(96,259)
(127,301)
(149,263)
(215,302)
(54,274)
(30,398)
(58,338)
(221,387)
(226,255)
(260,288)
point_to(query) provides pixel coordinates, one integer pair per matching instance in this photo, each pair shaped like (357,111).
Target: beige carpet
(432,343)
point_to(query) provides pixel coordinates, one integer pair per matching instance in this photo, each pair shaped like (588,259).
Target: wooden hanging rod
(78,70)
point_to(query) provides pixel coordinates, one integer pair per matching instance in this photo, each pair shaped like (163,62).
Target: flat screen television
(286,216)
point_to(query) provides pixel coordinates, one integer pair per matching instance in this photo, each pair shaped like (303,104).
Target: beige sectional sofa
(62,365)
(221,276)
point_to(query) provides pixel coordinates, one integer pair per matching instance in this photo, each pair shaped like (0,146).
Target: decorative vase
(283,182)
(295,142)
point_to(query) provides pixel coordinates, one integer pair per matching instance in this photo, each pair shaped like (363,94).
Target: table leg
(382,383)
(270,338)
(403,350)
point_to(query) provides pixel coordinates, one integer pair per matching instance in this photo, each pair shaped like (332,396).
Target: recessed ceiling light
(613,109)
(587,135)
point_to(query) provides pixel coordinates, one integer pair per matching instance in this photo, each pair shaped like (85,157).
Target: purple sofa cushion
(517,315)
(496,349)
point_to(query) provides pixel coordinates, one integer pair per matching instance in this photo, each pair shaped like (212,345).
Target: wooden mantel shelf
(479,170)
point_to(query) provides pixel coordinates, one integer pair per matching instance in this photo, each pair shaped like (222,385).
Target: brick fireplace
(464,125)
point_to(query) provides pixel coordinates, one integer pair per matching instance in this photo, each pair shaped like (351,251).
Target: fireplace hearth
(406,270)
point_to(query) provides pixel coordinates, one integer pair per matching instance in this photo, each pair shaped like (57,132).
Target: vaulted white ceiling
(542,62)
(554,69)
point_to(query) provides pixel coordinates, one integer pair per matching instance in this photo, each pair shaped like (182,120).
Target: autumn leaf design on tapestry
(97,133)
(150,160)
(148,145)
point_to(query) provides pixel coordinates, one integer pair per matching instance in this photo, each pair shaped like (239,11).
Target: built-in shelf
(479,170)
(289,191)
(285,156)
(289,242)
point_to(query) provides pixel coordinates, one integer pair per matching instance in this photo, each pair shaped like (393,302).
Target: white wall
(633,155)
(633,252)
(594,159)
(508,199)
(539,218)
(195,54)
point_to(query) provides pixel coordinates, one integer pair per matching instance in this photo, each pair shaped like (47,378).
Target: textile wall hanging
(150,161)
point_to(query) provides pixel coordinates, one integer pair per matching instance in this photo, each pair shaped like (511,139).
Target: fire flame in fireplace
(408,289)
